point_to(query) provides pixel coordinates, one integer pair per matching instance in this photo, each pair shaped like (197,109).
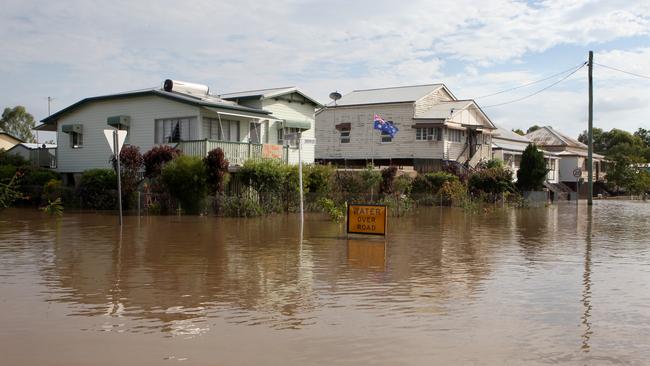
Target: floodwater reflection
(445,285)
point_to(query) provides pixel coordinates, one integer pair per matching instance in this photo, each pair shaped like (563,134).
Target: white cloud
(73,49)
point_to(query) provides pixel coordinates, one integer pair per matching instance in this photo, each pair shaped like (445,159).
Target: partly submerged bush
(334,211)
(156,158)
(430,183)
(131,162)
(98,189)
(492,182)
(387,179)
(240,206)
(216,167)
(319,179)
(185,179)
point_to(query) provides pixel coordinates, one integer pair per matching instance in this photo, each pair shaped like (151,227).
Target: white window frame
(165,129)
(428,134)
(344,135)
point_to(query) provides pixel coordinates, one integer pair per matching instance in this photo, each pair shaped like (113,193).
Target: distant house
(7,141)
(294,111)
(180,114)
(509,147)
(42,155)
(572,153)
(435,129)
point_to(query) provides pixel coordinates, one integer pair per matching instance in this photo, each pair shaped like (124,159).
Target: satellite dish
(335,96)
(168,85)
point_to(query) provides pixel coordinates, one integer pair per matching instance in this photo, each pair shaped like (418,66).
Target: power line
(623,71)
(573,68)
(539,91)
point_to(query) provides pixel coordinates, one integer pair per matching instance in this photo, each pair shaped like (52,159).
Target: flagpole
(372,141)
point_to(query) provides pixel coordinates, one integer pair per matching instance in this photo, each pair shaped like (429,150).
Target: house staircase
(560,190)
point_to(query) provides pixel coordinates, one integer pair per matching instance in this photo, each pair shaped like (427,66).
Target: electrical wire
(539,91)
(573,68)
(623,71)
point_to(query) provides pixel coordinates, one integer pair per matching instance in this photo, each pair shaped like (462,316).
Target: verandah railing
(236,152)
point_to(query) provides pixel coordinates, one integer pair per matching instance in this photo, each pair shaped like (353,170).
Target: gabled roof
(203,101)
(10,135)
(446,110)
(505,134)
(268,93)
(400,94)
(547,136)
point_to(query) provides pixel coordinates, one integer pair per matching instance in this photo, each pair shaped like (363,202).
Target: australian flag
(385,126)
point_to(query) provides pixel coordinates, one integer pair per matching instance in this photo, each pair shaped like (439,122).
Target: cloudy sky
(74,49)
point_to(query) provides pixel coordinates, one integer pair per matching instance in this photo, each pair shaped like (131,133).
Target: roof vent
(185,87)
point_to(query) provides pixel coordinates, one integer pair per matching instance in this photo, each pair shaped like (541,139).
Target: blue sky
(74,49)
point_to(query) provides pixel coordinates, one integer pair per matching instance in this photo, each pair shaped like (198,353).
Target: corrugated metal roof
(547,136)
(34,146)
(398,94)
(444,110)
(207,101)
(505,134)
(268,93)
(258,93)
(509,145)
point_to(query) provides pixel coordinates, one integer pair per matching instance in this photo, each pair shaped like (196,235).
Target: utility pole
(302,212)
(590,158)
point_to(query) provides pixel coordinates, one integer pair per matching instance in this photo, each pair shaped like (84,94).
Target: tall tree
(644,135)
(533,128)
(532,170)
(17,122)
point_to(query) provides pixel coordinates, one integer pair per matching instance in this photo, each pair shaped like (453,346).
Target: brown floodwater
(556,285)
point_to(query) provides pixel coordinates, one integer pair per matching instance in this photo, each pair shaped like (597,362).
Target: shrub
(34,176)
(335,212)
(430,183)
(267,178)
(52,190)
(98,189)
(9,192)
(532,170)
(7,172)
(156,158)
(348,186)
(319,179)
(370,178)
(216,167)
(185,179)
(54,208)
(12,159)
(491,181)
(453,193)
(403,185)
(131,162)
(236,206)
(387,178)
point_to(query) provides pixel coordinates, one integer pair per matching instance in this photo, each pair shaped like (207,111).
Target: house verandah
(241,136)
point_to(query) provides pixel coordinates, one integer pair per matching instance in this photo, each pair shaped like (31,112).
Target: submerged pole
(116,149)
(302,214)
(590,152)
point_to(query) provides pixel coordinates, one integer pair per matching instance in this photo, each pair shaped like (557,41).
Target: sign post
(577,173)
(367,219)
(115,140)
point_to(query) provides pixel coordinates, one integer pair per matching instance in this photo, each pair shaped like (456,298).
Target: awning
(78,128)
(343,126)
(241,114)
(301,125)
(118,121)
(427,125)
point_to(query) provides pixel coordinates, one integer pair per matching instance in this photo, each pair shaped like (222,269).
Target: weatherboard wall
(95,152)
(295,111)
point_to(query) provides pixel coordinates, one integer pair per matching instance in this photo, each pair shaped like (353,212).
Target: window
(175,130)
(385,136)
(345,135)
(454,135)
(285,131)
(224,130)
(255,133)
(428,134)
(76,140)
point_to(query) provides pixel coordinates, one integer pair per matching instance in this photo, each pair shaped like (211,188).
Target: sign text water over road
(367,219)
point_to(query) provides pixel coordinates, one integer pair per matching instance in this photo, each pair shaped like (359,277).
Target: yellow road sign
(367,219)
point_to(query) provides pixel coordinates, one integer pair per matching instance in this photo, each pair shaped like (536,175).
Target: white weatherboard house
(180,114)
(294,111)
(509,147)
(435,128)
(572,153)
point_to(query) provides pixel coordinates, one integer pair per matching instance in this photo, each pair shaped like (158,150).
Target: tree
(532,170)
(628,173)
(518,131)
(644,135)
(17,122)
(532,128)
(216,167)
